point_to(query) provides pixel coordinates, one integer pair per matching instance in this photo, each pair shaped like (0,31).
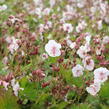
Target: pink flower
(88,63)
(5,60)
(41,28)
(48,25)
(77,70)
(13,47)
(53,48)
(100,49)
(44,56)
(13,19)
(81,26)
(93,89)
(13,44)
(46,11)
(71,44)
(105,39)
(67,27)
(4,83)
(68,15)
(82,51)
(101,74)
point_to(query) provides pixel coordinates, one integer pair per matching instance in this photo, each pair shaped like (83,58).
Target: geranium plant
(54,54)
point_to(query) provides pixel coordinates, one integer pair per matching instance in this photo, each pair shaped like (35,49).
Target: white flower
(99,25)
(12,82)
(101,74)
(23,53)
(69,8)
(38,12)
(38,2)
(87,46)
(48,25)
(81,26)
(13,19)
(16,87)
(93,10)
(77,70)
(44,56)
(105,39)
(53,48)
(5,60)
(67,27)
(52,3)
(80,3)
(99,49)
(13,44)
(13,47)
(82,51)
(106,19)
(62,21)
(103,7)
(88,63)
(8,40)
(3,7)
(88,38)
(46,11)
(68,15)
(71,44)
(93,89)
(41,28)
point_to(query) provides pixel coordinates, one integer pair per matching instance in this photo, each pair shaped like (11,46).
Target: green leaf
(78,60)
(26,67)
(42,98)
(67,75)
(81,106)
(104,92)
(29,92)
(70,95)
(62,105)
(23,82)
(8,101)
(104,107)
(2,69)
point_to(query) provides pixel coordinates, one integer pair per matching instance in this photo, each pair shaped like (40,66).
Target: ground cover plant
(54,54)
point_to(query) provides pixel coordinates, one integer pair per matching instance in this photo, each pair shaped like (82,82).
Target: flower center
(102,75)
(88,61)
(53,50)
